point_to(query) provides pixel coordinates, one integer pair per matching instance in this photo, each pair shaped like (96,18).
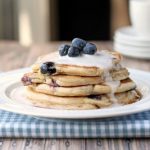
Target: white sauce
(114,85)
(101,59)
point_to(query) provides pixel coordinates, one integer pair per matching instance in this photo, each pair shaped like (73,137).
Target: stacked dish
(127,42)
(90,80)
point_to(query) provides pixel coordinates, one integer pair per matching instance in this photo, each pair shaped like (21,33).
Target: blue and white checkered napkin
(15,125)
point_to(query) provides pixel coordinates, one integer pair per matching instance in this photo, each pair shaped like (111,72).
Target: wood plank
(136,63)
(12,55)
(75,144)
(33,144)
(16,144)
(11,144)
(52,144)
(116,144)
(95,144)
(5,144)
(142,144)
(72,144)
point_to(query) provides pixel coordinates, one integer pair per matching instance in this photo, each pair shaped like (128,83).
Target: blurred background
(39,21)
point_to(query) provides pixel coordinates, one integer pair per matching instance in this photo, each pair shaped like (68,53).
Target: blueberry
(44,68)
(79,43)
(49,64)
(73,52)
(90,49)
(48,67)
(26,80)
(51,71)
(63,49)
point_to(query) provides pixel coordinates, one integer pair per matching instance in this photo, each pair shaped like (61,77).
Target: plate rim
(14,109)
(121,33)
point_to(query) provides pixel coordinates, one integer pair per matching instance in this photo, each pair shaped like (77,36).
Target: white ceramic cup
(140,17)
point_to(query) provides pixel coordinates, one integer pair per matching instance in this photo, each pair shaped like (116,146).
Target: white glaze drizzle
(113,85)
(101,59)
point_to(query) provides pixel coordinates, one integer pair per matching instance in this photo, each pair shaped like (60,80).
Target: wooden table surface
(14,56)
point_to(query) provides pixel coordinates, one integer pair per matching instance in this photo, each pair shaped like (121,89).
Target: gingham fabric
(15,125)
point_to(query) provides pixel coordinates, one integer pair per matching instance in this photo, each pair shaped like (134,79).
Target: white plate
(131,42)
(134,48)
(129,36)
(11,80)
(132,51)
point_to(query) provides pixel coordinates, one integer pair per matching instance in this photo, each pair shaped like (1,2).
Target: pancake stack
(82,82)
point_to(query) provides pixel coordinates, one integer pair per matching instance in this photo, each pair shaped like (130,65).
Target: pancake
(61,80)
(129,97)
(63,67)
(91,102)
(125,85)
(120,74)
(82,82)
(66,80)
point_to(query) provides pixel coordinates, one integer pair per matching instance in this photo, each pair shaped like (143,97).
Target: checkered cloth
(15,125)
